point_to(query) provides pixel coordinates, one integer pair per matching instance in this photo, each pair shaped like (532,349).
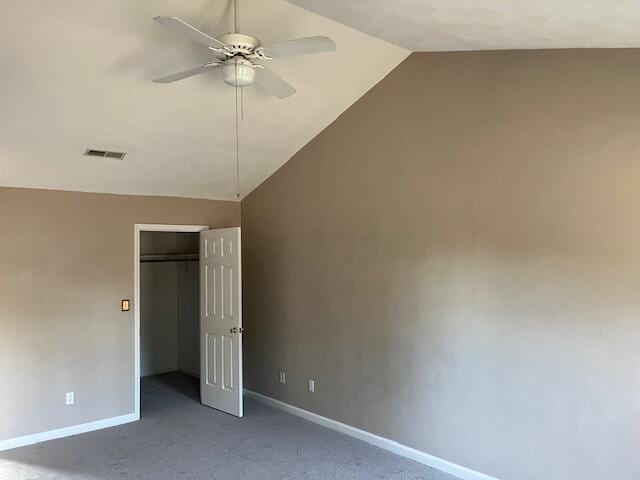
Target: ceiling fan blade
(273,83)
(177,25)
(186,73)
(300,46)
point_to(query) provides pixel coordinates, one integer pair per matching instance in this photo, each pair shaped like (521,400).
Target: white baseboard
(380,442)
(66,431)
(416,455)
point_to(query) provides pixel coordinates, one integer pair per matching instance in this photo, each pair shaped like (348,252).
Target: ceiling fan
(238,55)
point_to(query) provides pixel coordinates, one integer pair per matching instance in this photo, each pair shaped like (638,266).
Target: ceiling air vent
(90,152)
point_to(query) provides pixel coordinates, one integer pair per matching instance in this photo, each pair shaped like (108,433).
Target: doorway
(166,305)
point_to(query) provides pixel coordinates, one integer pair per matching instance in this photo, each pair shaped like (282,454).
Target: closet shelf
(173,257)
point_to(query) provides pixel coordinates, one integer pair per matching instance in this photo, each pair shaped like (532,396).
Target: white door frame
(137,229)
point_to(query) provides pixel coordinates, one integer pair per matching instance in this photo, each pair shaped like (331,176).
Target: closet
(169,303)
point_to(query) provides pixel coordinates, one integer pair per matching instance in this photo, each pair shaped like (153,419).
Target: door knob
(233,330)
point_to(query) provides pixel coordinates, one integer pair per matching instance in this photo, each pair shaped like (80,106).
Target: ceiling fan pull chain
(242,104)
(237,138)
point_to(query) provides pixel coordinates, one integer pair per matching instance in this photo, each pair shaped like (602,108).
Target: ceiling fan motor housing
(239,70)
(240,43)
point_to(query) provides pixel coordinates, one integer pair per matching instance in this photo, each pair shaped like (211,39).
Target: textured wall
(456,262)
(66,261)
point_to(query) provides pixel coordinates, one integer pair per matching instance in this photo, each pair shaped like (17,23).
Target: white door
(221,320)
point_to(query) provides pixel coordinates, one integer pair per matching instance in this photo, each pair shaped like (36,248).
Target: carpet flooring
(177,438)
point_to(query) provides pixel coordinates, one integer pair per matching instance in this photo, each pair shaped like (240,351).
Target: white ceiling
(445,25)
(77,74)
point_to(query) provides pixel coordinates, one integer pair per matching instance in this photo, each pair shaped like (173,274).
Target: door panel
(227,275)
(227,363)
(211,350)
(221,320)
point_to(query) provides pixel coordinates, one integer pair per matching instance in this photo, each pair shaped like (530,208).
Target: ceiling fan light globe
(240,74)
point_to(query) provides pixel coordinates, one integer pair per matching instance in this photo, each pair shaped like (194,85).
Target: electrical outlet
(312,385)
(70,398)
(283,377)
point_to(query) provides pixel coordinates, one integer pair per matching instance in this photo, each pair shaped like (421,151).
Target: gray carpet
(177,438)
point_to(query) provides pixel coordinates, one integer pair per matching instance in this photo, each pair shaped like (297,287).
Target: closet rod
(176,257)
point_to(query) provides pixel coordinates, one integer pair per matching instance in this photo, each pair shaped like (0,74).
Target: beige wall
(456,262)
(66,260)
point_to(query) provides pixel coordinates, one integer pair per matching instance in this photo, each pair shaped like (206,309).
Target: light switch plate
(283,377)
(70,398)
(312,385)
(125,305)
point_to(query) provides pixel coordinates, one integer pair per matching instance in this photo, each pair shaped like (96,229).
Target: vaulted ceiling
(445,25)
(77,74)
